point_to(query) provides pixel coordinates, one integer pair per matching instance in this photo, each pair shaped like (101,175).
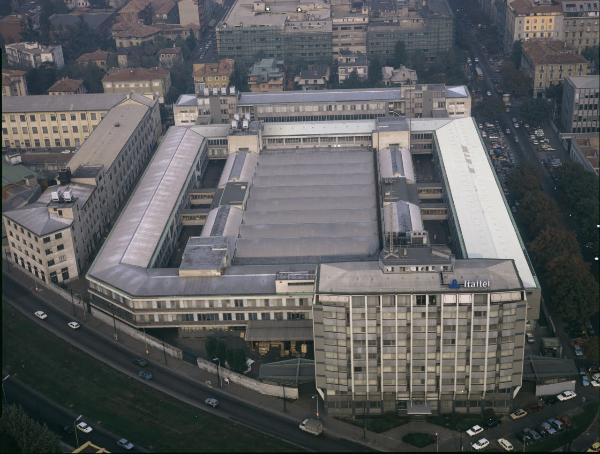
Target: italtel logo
(469,284)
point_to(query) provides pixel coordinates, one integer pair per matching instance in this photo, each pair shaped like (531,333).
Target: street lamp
(75,427)
(316,396)
(3,393)
(437,445)
(218,360)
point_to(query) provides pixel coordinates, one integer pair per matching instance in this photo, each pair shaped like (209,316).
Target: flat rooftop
(309,204)
(243,13)
(63,103)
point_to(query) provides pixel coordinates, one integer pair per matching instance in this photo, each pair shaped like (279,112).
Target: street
(179,386)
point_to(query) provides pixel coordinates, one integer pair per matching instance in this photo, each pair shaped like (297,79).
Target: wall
(554,388)
(246,382)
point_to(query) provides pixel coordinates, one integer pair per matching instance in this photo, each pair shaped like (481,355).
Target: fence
(247,382)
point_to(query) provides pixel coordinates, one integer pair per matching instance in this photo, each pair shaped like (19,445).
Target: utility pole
(115,335)
(146,341)
(364,419)
(164,352)
(75,427)
(3,392)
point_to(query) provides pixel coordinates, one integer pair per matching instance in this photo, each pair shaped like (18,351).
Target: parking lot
(498,146)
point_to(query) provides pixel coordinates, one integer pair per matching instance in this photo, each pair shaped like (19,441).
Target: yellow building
(212,75)
(150,82)
(527,19)
(549,62)
(42,121)
(13,82)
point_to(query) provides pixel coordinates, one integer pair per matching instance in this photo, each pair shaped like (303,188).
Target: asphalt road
(177,385)
(58,418)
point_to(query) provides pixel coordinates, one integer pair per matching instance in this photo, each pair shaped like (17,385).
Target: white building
(33,55)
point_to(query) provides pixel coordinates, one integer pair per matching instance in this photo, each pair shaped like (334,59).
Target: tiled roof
(66,85)
(545,51)
(127,74)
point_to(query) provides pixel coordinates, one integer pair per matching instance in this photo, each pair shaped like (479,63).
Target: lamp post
(146,341)
(283,388)
(218,360)
(3,393)
(75,427)
(164,352)
(437,444)
(316,396)
(115,334)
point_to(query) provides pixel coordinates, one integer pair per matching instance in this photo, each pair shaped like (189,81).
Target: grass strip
(115,401)
(418,439)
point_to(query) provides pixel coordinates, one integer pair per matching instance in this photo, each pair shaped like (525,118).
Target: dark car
(550,400)
(145,374)
(140,362)
(535,435)
(524,437)
(491,422)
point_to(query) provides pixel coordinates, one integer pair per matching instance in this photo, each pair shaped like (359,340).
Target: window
(53,277)
(227,316)
(51,262)
(58,236)
(65,274)
(265,316)
(60,247)
(238,303)
(252,316)
(239,316)
(421,300)
(48,251)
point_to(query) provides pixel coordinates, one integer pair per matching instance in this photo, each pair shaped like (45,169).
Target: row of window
(51,117)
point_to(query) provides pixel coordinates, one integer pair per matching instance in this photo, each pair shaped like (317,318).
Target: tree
(550,243)
(20,430)
(591,54)
(239,77)
(400,57)
(40,79)
(515,81)
(5,8)
(516,54)
(535,110)
(523,180)
(375,74)
(489,109)
(191,41)
(236,359)
(211,347)
(591,350)
(537,211)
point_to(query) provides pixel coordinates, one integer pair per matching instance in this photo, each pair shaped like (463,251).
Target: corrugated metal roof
(63,103)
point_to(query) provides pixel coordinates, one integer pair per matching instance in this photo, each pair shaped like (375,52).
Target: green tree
(400,56)
(489,109)
(221,351)
(40,79)
(550,243)
(591,349)
(191,41)
(352,81)
(537,212)
(236,359)
(239,77)
(18,429)
(375,74)
(515,81)
(535,110)
(523,180)
(211,347)
(516,54)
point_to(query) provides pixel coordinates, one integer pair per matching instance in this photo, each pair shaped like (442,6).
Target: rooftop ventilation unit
(54,196)
(245,124)
(68,195)
(206,92)
(223,90)
(236,117)
(215,91)
(232,90)
(247,116)
(234,124)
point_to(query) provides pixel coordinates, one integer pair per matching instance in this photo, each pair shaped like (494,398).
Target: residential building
(174,31)
(30,11)
(349,28)
(580,23)
(421,100)
(12,28)
(55,237)
(314,77)
(128,34)
(266,75)
(426,29)
(144,81)
(99,21)
(401,319)
(72,4)
(350,62)
(19,186)
(13,82)
(191,12)
(42,121)
(101,58)
(165,12)
(585,150)
(136,12)
(400,76)
(212,75)
(531,19)
(170,56)
(33,55)
(547,62)
(66,86)
(579,108)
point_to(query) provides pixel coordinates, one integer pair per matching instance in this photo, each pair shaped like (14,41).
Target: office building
(13,82)
(43,121)
(579,107)
(585,150)
(55,237)
(349,26)
(151,82)
(33,55)
(385,243)
(548,62)
(581,24)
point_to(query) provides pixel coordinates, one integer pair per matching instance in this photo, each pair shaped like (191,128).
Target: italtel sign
(469,284)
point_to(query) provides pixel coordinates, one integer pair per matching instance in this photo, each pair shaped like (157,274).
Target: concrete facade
(579,108)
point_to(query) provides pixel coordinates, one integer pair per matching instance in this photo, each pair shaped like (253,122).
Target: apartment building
(579,108)
(66,86)
(42,121)
(101,58)
(530,19)
(212,75)
(581,23)
(128,34)
(350,62)
(13,82)
(399,76)
(33,55)
(349,28)
(149,82)
(548,62)
(55,237)
(314,77)
(169,57)
(266,75)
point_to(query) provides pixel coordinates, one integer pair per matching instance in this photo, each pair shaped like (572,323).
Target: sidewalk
(295,410)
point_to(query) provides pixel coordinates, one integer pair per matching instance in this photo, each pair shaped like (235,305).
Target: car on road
(507,131)
(41,315)
(211,402)
(532,434)
(577,349)
(516,139)
(475,430)
(546,429)
(74,325)
(125,444)
(145,374)
(84,427)
(488,93)
(482,443)
(518,414)
(140,362)
(476,60)
(566,395)
(505,444)
(550,400)
(312,426)
(596,376)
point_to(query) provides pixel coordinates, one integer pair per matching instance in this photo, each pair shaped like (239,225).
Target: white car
(212,402)
(74,325)
(595,383)
(84,427)
(488,93)
(475,430)
(41,315)
(596,376)
(480,444)
(125,444)
(518,414)
(566,395)
(505,444)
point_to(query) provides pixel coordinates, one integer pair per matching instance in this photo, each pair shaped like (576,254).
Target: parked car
(41,315)
(74,325)
(505,444)
(595,383)
(558,425)
(211,402)
(578,350)
(84,427)
(585,381)
(475,430)
(546,429)
(482,443)
(534,435)
(566,395)
(140,362)
(145,374)
(550,400)
(125,444)
(491,422)
(518,414)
